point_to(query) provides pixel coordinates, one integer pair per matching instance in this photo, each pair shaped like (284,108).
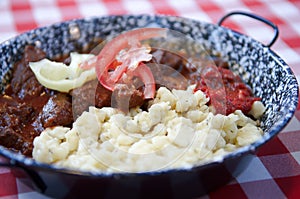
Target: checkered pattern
(275,171)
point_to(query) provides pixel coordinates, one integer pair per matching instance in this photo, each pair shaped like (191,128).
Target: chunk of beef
(103,96)
(24,83)
(57,111)
(91,93)
(15,141)
(13,117)
(169,69)
(126,96)
(12,112)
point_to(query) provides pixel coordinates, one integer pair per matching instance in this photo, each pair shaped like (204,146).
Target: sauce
(229,95)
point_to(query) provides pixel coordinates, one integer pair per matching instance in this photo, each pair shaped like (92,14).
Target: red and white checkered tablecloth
(275,171)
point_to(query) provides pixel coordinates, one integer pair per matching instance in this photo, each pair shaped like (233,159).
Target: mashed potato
(178,130)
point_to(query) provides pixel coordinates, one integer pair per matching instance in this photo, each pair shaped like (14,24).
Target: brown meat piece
(13,117)
(24,83)
(169,69)
(57,111)
(91,93)
(15,141)
(125,97)
(103,96)
(12,112)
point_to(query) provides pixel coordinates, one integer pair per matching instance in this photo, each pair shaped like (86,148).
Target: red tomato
(106,60)
(144,72)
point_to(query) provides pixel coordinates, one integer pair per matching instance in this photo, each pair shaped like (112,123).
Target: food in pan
(124,111)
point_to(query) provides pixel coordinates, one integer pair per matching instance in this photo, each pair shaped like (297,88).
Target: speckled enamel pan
(263,70)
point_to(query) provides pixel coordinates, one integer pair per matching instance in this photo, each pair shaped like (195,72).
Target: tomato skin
(112,48)
(106,60)
(144,72)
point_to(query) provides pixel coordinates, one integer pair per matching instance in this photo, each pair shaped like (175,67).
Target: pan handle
(259,18)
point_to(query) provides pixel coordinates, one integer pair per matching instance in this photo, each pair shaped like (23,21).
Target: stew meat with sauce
(27,107)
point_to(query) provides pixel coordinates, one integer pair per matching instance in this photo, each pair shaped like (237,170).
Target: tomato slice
(130,42)
(144,72)
(130,59)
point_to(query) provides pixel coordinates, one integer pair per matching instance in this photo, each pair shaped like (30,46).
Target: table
(275,171)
